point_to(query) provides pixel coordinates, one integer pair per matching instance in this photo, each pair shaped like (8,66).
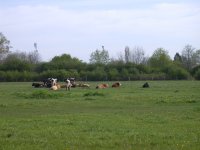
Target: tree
(34,57)
(178,58)
(14,63)
(65,61)
(99,56)
(196,56)
(127,54)
(138,55)
(4,45)
(188,57)
(160,59)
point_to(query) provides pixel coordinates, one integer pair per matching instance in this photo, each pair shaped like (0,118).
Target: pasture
(164,116)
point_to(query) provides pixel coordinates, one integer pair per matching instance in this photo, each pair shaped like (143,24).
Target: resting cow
(54,88)
(102,86)
(146,85)
(83,85)
(49,82)
(37,85)
(117,84)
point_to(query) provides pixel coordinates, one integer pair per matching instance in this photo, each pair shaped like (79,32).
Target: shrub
(197,74)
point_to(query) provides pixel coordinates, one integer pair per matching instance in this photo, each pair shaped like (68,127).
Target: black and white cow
(68,85)
(50,82)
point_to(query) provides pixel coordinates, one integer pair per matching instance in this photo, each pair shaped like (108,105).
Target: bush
(197,74)
(176,72)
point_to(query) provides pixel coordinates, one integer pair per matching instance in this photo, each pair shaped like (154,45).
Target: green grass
(164,116)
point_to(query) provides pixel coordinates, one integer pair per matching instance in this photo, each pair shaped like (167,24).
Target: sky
(79,27)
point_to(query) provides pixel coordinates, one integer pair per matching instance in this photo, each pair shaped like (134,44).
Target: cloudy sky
(79,27)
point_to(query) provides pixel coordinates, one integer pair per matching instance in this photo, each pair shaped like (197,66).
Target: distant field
(164,116)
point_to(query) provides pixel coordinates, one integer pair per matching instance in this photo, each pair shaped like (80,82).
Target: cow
(53,82)
(102,86)
(54,87)
(49,82)
(117,84)
(37,85)
(146,85)
(58,85)
(68,85)
(83,85)
(72,81)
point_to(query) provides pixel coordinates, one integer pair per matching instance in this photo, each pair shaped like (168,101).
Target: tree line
(130,65)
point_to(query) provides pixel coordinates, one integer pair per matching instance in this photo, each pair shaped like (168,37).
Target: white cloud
(60,30)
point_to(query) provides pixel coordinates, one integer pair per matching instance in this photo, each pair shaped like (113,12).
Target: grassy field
(164,116)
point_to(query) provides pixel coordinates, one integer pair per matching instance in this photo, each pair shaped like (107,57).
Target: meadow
(164,116)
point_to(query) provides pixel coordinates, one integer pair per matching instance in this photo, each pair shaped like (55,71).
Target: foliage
(99,57)
(189,57)
(197,74)
(176,73)
(133,65)
(160,59)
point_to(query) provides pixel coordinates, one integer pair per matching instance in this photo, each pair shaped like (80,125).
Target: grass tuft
(93,94)
(40,95)
(191,101)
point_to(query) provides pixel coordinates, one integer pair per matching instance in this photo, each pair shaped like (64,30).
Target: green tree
(177,58)
(197,74)
(99,57)
(13,62)
(160,59)
(66,62)
(113,74)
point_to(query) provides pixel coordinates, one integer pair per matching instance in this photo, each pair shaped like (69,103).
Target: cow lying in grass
(117,84)
(83,85)
(37,85)
(50,82)
(102,86)
(55,87)
(146,85)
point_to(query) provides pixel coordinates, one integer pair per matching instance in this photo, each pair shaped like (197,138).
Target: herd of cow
(69,82)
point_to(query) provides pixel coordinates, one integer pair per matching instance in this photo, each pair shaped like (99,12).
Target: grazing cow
(102,86)
(72,81)
(146,85)
(68,85)
(117,84)
(37,85)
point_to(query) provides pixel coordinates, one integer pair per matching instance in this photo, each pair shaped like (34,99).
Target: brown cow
(83,85)
(102,86)
(117,84)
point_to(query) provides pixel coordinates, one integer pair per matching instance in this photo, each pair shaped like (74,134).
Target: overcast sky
(79,27)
